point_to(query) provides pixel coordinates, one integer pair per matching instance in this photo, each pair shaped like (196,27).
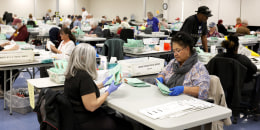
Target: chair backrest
(28,37)
(232,77)
(113,48)
(107,33)
(54,35)
(148,30)
(127,34)
(227,69)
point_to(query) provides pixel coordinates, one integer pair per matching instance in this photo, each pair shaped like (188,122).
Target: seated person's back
(232,46)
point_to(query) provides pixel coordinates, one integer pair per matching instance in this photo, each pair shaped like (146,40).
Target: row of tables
(129,100)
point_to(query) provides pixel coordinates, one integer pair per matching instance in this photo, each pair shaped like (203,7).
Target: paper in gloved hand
(48,45)
(2,37)
(164,89)
(117,75)
(136,82)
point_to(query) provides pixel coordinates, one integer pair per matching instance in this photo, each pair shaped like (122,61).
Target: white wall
(24,7)
(123,8)
(250,11)
(228,10)
(19,7)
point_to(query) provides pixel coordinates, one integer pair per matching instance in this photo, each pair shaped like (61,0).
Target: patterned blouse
(215,34)
(197,76)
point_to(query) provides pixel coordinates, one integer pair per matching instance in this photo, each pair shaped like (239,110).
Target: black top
(195,28)
(222,29)
(81,84)
(251,67)
(1,48)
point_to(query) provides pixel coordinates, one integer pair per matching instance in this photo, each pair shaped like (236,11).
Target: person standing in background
(84,14)
(196,26)
(153,22)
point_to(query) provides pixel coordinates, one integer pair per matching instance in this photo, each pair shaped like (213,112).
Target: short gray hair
(93,22)
(150,13)
(65,23)
(83,57)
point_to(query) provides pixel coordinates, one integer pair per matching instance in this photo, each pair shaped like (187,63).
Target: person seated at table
(221,28)
(67,44)
(15,47)
(102,23)
(118,20)
(31,21)
(124,23)
(83,92)
(78,21)
(185,74)
(21,33)
(243,30)
(95,31)
(213,31)
(238,23)
(231,46)
(164,23)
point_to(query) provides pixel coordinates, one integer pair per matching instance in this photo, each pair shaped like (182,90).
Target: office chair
(127,34)
(232,76)
(113,48)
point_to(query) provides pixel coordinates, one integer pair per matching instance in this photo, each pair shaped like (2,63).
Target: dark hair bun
(183,39)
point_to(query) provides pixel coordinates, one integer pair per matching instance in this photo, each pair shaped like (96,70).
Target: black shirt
(222,29)
(195,28)
(251,67)
(79,85)
(1,48)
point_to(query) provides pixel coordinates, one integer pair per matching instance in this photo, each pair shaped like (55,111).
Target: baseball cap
(177,18)
(16,21)
(204,10)
(212,24)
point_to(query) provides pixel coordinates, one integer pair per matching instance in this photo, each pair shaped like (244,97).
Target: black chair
(127,34)
(232,76)
(30,22)
(107,33)
(148,30)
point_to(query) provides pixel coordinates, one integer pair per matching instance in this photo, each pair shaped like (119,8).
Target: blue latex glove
(7,36)
(160,79)
(176,90)
(97,55)
(107,78)
(112,87)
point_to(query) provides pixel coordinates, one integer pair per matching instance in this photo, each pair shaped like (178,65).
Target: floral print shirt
(197,76)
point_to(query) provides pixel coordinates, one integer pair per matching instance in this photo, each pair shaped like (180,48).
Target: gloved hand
(112,87)
(160,79)
(176,90)
(107,78)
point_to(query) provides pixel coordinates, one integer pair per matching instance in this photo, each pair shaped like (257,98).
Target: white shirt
(66,48)
(125,24)
(84,15)
(68,20)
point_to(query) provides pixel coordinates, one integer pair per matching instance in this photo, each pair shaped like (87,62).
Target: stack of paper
(136,82)
(164,89)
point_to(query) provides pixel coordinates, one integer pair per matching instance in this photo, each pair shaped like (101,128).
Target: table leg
(4,88)
(11,86)
(33,73)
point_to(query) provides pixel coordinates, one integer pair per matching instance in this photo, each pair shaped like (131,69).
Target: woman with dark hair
(67,44)
(221,27)
(231,46)
(185,74)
